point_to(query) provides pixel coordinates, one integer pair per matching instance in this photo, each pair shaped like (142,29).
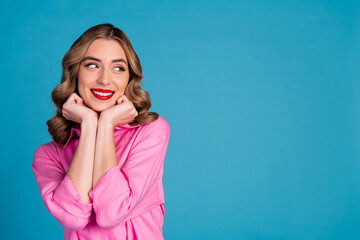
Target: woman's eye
(120,68)
(91,65)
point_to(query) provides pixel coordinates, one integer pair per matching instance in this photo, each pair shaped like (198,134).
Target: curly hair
(59,127)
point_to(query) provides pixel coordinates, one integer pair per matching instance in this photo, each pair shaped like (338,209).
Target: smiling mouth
(102,95)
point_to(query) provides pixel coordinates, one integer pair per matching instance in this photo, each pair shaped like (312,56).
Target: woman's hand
(123,112)
(75,110)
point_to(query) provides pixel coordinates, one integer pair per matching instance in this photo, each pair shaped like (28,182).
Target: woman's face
(103,74)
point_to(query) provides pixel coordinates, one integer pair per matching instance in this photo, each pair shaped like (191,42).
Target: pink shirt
(128,200)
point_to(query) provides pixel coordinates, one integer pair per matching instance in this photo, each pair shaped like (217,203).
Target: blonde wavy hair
(59,127)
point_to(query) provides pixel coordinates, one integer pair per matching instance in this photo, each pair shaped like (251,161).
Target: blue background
(262,98)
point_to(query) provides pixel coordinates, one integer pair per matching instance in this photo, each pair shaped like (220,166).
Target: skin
(95,153)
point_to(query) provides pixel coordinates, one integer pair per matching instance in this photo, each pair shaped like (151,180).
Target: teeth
(101,94)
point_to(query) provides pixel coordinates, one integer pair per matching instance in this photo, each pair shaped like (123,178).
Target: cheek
(80,79)
(82,86)
(122,83)
(84,79)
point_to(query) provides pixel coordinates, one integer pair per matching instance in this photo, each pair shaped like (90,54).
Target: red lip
(102,90)
(102,97)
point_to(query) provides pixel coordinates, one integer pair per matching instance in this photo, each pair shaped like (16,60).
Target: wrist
(104,123)
(91,122)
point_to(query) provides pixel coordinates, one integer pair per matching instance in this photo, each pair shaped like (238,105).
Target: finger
(125,98)
(135,113)
(74,98)
(79,101)
(73,95)
(71,98)
(120,99)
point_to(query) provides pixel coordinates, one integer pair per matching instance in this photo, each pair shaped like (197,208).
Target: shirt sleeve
(120,190)
(58,192)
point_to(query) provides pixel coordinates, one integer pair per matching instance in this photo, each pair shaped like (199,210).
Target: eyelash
(121,68)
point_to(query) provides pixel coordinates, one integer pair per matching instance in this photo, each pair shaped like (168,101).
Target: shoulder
(157,130)
(47,150)
(159,125)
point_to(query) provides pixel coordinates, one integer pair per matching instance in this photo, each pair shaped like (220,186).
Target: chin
(99,109)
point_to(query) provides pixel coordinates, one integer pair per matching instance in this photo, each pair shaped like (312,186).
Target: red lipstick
(97,91)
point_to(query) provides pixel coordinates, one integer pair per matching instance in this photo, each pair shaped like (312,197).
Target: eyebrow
(98,60)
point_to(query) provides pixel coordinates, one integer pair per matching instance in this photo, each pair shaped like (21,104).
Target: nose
(104,77)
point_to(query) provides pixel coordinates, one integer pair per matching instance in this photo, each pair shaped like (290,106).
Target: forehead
(106,49)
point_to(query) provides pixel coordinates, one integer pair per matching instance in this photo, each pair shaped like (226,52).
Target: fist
(75,110)
(122,112)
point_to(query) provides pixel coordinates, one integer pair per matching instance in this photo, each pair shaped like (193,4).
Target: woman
(101,176)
